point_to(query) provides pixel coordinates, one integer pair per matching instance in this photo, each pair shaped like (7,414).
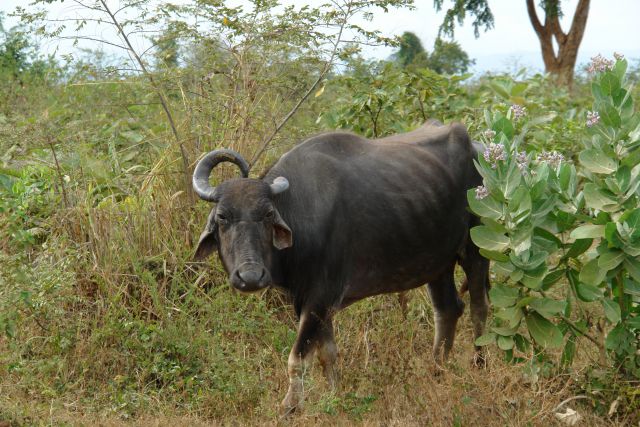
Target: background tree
(561,62)
(411,51)
(447,56)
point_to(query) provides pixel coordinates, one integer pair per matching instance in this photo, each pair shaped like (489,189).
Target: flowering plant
(562,235)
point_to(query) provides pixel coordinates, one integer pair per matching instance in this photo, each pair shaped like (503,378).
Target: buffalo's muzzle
(249,277)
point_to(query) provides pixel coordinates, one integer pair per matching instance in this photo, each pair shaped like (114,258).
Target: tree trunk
(559,64)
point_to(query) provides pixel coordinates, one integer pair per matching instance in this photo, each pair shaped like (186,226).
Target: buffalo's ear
(282,237)
(207,244)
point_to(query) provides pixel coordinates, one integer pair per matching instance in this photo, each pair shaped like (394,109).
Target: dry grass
(123,330)
(387,378)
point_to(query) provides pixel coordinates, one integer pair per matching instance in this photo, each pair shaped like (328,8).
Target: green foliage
(411,51)
(103,312)
(446,58)
(546,218)
(26,202)
(479,9)
(379,98)
(449,58)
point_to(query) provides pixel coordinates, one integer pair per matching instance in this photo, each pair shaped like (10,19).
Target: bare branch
(163,101)
(290,114)
(93,40)
(533,17)
(579,21)
(84,6)
(128,6)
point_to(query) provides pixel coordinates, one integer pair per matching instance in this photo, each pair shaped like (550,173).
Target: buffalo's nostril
(251,277)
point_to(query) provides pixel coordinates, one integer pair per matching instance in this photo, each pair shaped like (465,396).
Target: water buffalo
(340,218)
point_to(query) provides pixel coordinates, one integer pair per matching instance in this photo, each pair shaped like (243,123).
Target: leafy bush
(565,235)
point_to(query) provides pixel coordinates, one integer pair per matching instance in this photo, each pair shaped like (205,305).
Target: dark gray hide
(366,217)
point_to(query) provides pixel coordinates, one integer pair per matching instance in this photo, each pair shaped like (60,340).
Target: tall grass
(105,317)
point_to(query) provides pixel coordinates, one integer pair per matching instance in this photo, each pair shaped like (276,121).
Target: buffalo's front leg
(315,331)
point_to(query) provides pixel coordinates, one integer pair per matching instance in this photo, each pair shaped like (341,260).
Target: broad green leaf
(494,256)
(485,339)
(504,331)
(610,116)
(564,220)
(503,125)
(532,279)
(505,343)
(612,236)
(620,69)
(488,239)
(596,91)
(522,343)
(632,219)
(520,239)
(541,233)
(547,307)
(617,337)
(551,278)
(521,209)
(533,261)
(512,182)
(545,333)
(494,225)
(588,231)
(516,275)
(634,322)
(623,177)
(487,207)
(631,287)
(500,89)
(512,315)
(578,247)
(503,296)
(592,274)
(588,293)
(503,268)
(611,310)
(566,176)
(609,83)
(519,88)
(632,266)
(597,198)
(598,162)
(610,259)
(538,189)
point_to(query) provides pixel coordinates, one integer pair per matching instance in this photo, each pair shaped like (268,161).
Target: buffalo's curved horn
(279,185)
(204,167)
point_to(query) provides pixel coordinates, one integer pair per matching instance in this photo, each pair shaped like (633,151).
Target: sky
(612,26)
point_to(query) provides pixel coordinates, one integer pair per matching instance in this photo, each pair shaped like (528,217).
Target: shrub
(564,236)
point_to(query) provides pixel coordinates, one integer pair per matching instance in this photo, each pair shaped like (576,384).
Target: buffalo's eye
(269,215)
(221,218)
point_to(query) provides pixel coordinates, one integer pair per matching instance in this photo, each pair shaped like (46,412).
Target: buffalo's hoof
(290,404)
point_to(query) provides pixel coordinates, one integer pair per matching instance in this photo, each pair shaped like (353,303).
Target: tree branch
(554,26)
(325,70)
(579,22)
(533,17)
(163,101)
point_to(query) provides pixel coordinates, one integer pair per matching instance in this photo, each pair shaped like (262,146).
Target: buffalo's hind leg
(315,332)
(328,352)
(476,268)
(447,308)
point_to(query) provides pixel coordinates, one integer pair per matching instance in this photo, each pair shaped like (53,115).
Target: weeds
(103,315)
